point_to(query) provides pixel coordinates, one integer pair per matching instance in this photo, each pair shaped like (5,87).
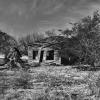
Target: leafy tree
(87,32)
(6,42)
(67,32)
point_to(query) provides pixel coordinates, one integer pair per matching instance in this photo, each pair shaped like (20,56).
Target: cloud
(16,9)
(54,10)
(23,16)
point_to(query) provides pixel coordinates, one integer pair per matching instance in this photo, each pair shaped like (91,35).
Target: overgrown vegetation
(49,83)
(6,42)
(87,34)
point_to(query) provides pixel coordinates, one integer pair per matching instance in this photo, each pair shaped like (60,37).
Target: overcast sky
(19,17)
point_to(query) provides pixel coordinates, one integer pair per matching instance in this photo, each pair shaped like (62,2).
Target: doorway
(65,61)
(71,60)
(41,56)
(35,53)
(50,55)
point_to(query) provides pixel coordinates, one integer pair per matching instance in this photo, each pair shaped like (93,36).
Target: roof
(49,41)
(56,42)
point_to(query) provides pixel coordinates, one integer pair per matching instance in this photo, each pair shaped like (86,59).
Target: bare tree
(28,39)
(50,33)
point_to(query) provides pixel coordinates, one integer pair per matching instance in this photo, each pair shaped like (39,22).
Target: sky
(21,17)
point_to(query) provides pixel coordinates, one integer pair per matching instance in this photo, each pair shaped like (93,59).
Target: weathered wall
(57,59)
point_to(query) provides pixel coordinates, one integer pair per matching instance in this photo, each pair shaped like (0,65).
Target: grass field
(49,83)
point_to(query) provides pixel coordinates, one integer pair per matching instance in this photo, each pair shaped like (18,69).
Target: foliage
(66,32)
(70,48)
(6,41)
(87,33)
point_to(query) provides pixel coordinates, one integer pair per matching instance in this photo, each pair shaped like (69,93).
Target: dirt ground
(49,83)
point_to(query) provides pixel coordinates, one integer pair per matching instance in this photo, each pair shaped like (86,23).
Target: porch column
(30,53)
(39,54)
(44,56)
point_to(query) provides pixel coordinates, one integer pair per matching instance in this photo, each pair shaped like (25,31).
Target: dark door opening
(50,55)
(41,56)
(65,61)
(69,61)
(35,53)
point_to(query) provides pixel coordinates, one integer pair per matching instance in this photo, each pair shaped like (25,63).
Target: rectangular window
(35,53)
(50,55)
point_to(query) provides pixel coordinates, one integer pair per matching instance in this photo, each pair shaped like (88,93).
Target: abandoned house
(47,51)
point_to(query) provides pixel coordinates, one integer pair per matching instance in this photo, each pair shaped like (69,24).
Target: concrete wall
(30,55)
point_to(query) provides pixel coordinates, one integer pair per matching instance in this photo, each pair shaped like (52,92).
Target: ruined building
(47,51)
